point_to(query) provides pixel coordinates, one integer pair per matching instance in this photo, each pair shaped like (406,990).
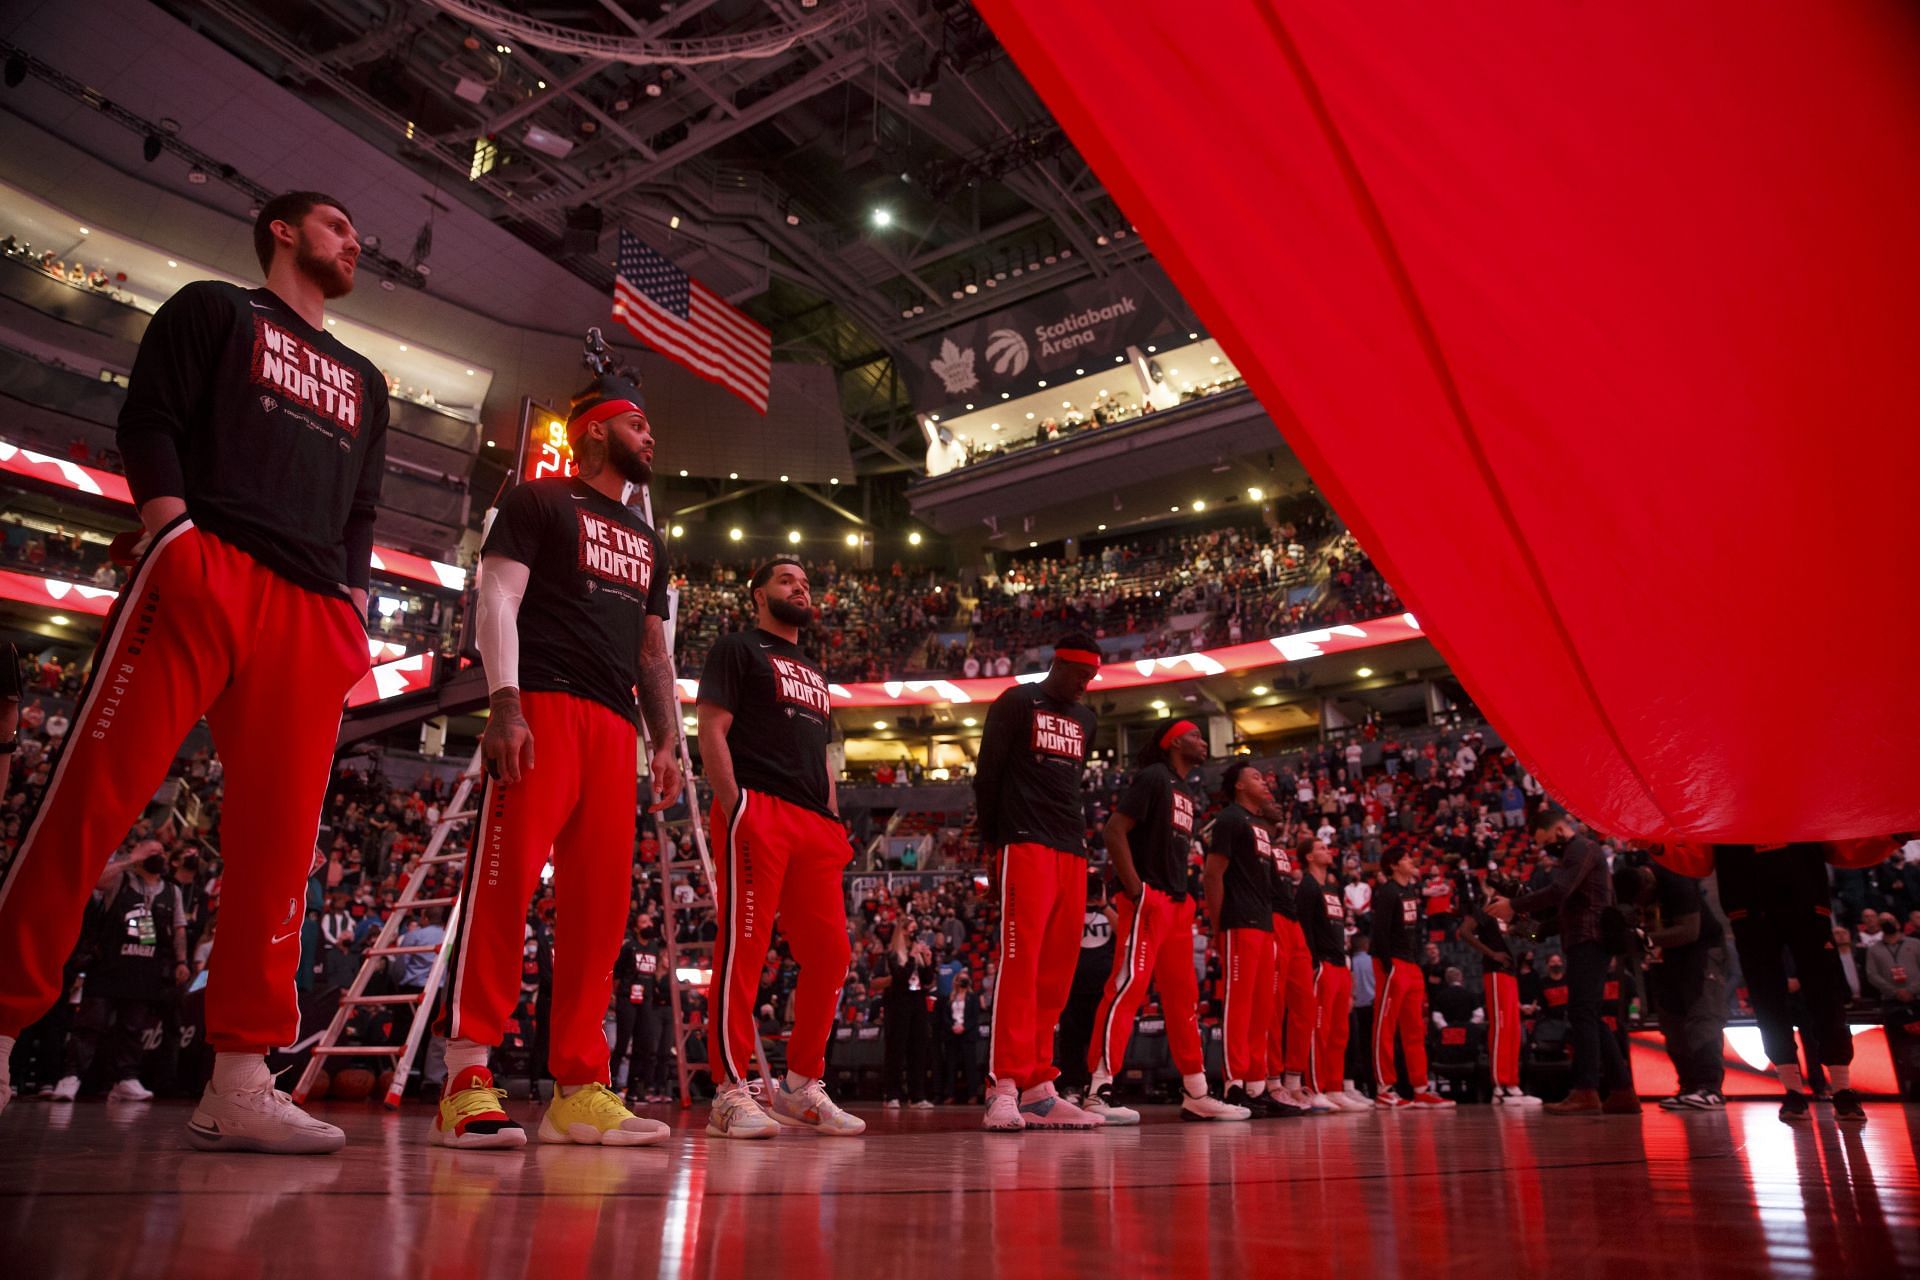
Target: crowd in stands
(58,554)
(75,273)
(1107,409)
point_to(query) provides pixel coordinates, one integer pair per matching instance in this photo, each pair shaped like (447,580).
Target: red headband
(1090,657)
(1178,729)
(605,409)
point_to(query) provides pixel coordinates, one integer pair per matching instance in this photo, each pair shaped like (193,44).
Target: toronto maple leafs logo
(1008,352)
(954,368)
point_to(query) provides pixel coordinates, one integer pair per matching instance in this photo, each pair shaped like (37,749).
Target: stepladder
(434,882)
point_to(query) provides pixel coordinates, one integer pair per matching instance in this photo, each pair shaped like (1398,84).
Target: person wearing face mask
(1580,891)
(140,955)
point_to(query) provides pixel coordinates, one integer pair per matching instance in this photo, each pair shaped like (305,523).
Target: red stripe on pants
(576,804)
(777,858)
(1247,956)
(1399,1008)
(1156,945)
(1043,903)
(1290,1033)
(202,628)
(1333,994)
(1502,994)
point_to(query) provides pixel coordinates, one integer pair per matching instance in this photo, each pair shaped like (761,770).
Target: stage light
(86,231)
(1194,337)
(403,346)
(1364,672)
(492,445)
(853,539)
(971,287)
(683,473)
(172,263)
(733,475)
(1199,504)
(1079,373)
(793,219)
(1175,507)
(1029,417)
(679,531)
(1033,544)
(793,536)
(833,479)
(1043,382)
(1006,395)
(993,426)
(673,223)
(59,619)
(913,539)
(1102,528)
(934,417)
(1158,704)
(734,535)
(1119,359)
(1101,238)
(882,218)
(1150,350)
(879,724)
(469,373)
(969,722)
(783,479)
(1260,691)
(1255,492)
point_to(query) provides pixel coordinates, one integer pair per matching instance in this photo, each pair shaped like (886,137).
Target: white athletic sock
(1195,1084)
(6,1059)
(796,1082)
(1255,1088)
(240,1072)
(1293,1079)
(1842,1077)
(462,1054)
(1346,1086)
(1790,1077)
(1275,1084)
(1099,1081)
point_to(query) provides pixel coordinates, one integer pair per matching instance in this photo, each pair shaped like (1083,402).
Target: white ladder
(387,945)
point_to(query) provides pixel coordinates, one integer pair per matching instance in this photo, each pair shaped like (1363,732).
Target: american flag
(681,318)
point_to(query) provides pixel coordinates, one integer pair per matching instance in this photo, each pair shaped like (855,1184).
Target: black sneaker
(1795,1106)
(1263,1106)
(1847,1108)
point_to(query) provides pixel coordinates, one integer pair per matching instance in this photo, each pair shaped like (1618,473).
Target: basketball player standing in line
(1240,884)
(571,621)
(764,728)
(1148,838)
(1032,814)
(255,443)
(1500,989)
(1400,987)
(1323,919)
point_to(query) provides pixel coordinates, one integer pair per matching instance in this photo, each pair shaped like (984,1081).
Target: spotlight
(151,147)
(1100,239)
(783,479)
(673,223)
(1199,504)
(913,539)
(972,287)
(683,473)
(970,722)
(733,475)
(198,177)
(882,218)
(1260,691)
(654,89)
(1255,492)
(853,539)
(793,219)
(59,619)
(793,536)
(734,535)
(1364,672)
(879,724)
(679,531)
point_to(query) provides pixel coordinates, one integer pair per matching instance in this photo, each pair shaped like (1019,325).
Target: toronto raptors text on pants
(577,804)
(1333,995)
(777,860)
(1156,945)
(1043,901)
(202,628)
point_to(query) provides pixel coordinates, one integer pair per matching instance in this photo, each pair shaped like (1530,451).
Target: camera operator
(1580,890)
(1685,964)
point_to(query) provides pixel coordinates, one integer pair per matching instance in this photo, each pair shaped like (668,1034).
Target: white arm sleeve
(496,625)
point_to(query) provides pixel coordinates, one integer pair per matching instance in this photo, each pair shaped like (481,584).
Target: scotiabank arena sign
(1042,339)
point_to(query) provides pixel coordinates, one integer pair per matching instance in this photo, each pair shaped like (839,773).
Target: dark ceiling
(771,130)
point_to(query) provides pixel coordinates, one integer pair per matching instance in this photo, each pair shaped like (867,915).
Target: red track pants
(1333,994)
(1290,1032)
(1502,991)
(1247,957)
(1043,904)
(202,628)
(577,805)
(777,859)
(1157,944)
(1399,1007)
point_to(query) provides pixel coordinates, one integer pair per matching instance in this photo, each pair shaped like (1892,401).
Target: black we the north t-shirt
(1280,871)
(1027,784)
(1246,889)
(781,716)
(1164,812)
(595,570)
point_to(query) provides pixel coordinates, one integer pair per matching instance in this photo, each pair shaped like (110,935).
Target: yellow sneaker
(471,1116)
(594,1115)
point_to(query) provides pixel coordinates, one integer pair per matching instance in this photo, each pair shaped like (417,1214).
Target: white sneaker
(1003,1108)
(735,1114)
(67,1090)
(1100,1103)
(922,1105)
(6,1089)
(1515,1098)
(811,1108)
(262,1119)
(1316,1102)
(1208,1107)
(1360,1101)
(893,1104)
(1042,1107)
(130,1090)
(1343,1101)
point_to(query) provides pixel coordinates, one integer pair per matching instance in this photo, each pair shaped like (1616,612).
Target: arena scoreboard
(543,444)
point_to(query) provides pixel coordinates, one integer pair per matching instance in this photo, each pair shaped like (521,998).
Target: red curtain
(1600,324)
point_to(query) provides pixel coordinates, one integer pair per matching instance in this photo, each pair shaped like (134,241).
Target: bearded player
(1399,987)
(1149,838)
(571,621)
(1029,797)
(1323,919)
(254,443)
(764,728)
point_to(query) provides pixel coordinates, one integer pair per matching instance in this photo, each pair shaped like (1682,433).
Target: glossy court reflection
(93,1190)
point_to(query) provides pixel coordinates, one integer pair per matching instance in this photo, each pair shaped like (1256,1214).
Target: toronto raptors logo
(799,686)
(614,553)
(306,375)
(1058,735)
(1182,813)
